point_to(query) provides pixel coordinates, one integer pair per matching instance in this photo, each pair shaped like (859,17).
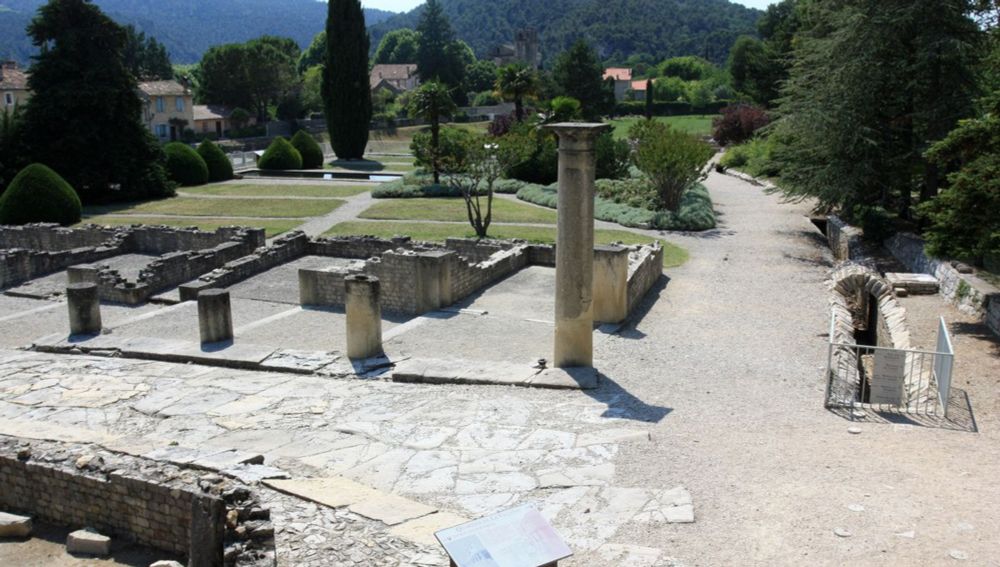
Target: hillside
(662,28)
(186,27)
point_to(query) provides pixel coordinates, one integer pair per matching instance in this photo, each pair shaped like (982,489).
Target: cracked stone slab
(12,525)
(611,436)
(303,361)
(587,475)
(440,371)
(253,473)
(421,530)
(673,506)
(335,492)
(227,459)
(51,432)
(622,555)
(391,509)
(579,378)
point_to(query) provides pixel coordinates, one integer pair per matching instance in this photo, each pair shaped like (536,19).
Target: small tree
(38,194)
(280,155)
(347,95)
(673,160)
(514,83)
(312,153)
(432,102)
(184,165)
(219,166)
(477,165)
(564,108)
(737,123)
(648,107)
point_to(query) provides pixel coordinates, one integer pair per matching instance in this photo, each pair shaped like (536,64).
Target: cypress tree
(347,99)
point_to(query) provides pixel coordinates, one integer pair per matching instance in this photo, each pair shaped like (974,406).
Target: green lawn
(272,227)
(453,209)
(289,190)
(396,164)
(380,141)
(190,206)
(672,255)
(700,124)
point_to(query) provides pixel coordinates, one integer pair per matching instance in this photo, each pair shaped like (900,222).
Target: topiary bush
(312,154)
(219,166)
(184,165)
(38,194)
(280,155)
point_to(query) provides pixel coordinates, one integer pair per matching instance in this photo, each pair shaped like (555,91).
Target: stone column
(215,316)
(364,316)
(610,284)
(82,274)
(574,340)
(84,308)
(207,531)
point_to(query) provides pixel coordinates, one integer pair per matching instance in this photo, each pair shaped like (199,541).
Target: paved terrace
(717,388)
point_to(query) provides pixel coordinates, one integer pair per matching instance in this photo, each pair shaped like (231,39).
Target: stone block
(12,525)
(88,542)
(84,302)
(215,316)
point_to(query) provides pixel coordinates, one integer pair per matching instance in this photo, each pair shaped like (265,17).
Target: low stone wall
(356,247)
(969,293)
(844,239)
(286,248)
(157,240)
(468,278)
(20,265)
(51,237)
(645,267)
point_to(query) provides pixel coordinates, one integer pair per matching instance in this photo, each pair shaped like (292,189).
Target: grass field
(190,206)
(446,209)
(380,141)
(700,124)
(672,255)
(272,227)
(251,190)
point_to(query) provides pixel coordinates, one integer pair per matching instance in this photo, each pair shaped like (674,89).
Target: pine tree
(84,119)
(439,55)
(579,72)
(346,95)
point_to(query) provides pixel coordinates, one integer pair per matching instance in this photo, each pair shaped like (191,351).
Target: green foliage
(612,157)
(84,118)
(346,94)
(280,155)
(219,166)
(695,211)
(429,153)
(312,154)
(872,84)
(12,155)
(184,165)
(38,194)
(480,76)
(688,68)
(431,102)
(578,72)
(635,107)
(485,98)
(876,223)
(651,31)
(542,165)
(249,75)
(756,70)
(514,83)
(439,56)
(753,158)
(312,89)
(673,160)
(422,186)
(397,47)
(145,57)
(564,109)
(313,55)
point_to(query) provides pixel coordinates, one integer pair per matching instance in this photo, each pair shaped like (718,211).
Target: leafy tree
(432,102)
(564,109)
(439,56)
(312,154)
(398,47)
(38,194)
(648,107)
(673,160)
(515,83)
(12,155)
(756,70)
(312,89)
(669,89)
(480,76)
(313,55)
(579,73)
(185,165)
(219,166)
(84,119)
(145,57)
(346,93)
(688,68)
(871,86)
(252,75)
(475,168)
(737,123)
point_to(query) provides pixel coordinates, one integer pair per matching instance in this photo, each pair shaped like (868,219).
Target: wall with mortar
(52,237)
(844,239)
(285,249)
(469,277)
(645,266)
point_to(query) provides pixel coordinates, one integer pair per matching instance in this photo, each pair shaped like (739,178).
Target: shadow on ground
(959,418)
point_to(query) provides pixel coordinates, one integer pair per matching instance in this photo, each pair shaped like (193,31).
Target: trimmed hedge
(219,166)
(280,155)
(695,213)
(312,154)
(38,194)
(184,165)
(421,186)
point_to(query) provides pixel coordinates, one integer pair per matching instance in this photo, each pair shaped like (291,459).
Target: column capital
(578,136)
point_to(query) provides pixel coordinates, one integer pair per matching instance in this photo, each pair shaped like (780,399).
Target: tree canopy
(346,93)
(398,47)
(578,72)
(145,57)
(249,75)
(440,57)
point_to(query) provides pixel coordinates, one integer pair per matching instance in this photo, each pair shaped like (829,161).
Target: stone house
(639,90)
(622,76)
(168,108)
(216,119)
(525,50)
(13,85)
(397,78)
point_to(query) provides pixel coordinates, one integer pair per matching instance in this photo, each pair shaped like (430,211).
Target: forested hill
(619,28)
(186,27)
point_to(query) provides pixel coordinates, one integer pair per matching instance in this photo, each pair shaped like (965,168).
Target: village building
(622,76)
(13,85)
(396,78)
(525,50)
(168,108)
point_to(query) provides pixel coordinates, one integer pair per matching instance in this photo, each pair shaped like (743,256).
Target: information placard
(519,537)
(888,377)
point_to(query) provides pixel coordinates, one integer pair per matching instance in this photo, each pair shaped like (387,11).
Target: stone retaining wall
(51,237)
(645,266)
(468,277)
(844,239)
(286,248)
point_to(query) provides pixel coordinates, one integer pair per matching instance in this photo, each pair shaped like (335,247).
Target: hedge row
(420,185)
(637,107)
(38,194)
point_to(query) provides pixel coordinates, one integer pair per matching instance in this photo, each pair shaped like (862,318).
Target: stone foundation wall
(844,239)
(645,266)
(286,248)
(157,240)
(20,265)
(356,247)
(468,278)
(53,238)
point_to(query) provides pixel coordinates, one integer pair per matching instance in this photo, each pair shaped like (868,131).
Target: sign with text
(519,537)
(888,378)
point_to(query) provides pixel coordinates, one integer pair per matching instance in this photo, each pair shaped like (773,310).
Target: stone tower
(526,47)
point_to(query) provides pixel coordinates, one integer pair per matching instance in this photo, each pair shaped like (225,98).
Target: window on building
(179,104)
(8,99)
(159,104)
(161,130)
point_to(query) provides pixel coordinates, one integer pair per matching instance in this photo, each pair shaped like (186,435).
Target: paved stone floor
(128,266)
(716,387)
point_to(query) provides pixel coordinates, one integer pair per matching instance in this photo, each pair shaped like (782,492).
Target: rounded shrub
(184,165)
(280,155)
(312,154)
(38,194)
(219,166)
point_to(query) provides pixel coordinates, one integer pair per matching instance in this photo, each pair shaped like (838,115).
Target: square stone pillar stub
(574,338)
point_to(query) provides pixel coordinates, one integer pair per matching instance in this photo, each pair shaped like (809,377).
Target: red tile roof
(618,73)
(12,78)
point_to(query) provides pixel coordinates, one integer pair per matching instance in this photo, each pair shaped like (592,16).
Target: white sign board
(519,537)
(888,379)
